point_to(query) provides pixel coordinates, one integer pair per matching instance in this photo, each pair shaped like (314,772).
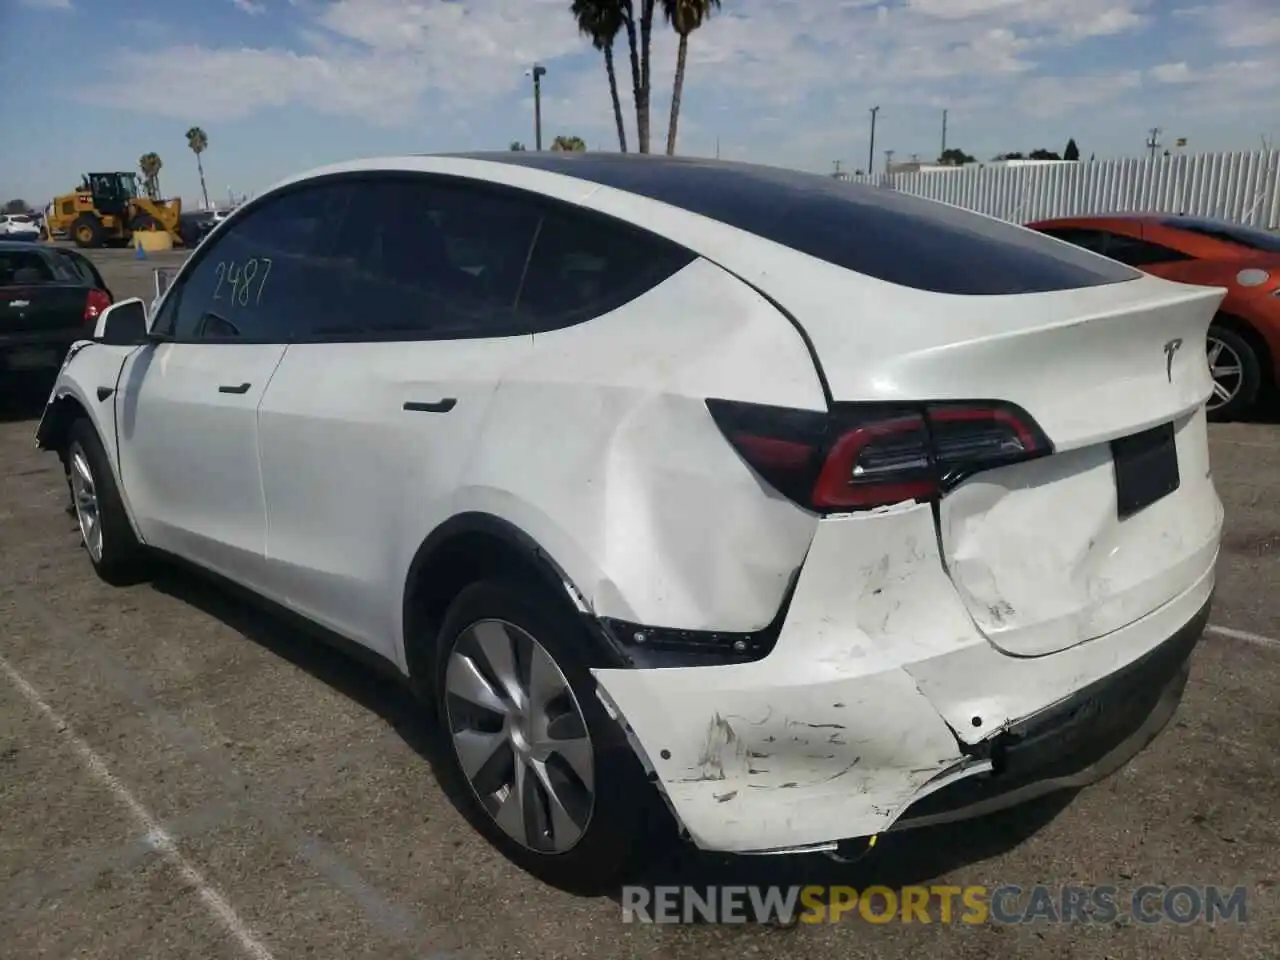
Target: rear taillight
(869,455)
(97,301)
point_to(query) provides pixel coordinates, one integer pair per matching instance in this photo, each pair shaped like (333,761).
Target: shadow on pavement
(901,859)
(24,399)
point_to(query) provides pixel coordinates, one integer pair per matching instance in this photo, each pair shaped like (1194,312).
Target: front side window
(259,280)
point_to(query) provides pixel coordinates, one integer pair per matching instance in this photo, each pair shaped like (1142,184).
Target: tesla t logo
(1171,348)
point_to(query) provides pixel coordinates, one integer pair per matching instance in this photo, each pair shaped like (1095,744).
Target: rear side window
(584,266)
(1140,253)
(21,268)
(419,258)
(874,231)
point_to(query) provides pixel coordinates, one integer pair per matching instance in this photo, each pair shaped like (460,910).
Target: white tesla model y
(809,508)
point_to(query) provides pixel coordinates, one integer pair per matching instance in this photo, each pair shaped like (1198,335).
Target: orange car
(1244,340)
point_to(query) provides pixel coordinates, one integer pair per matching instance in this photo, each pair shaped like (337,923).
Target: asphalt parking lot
(182,776)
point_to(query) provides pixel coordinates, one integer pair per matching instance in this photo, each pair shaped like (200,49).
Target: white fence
(1244,187)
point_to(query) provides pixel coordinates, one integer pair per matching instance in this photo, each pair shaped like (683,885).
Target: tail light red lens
(97,301)
(861,456)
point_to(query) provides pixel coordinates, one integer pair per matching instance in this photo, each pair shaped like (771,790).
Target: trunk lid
(41,308)
(1044,553)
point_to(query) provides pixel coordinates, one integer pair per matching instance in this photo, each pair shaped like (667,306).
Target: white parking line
(1258,445)
(1256,639)
(156,835)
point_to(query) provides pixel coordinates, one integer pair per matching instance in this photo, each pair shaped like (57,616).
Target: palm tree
(642,101)
(150,164)
(198,141)
(685,16)
(601,20)
(572,144)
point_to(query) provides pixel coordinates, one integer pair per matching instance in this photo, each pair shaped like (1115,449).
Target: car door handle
(241,388)
(438,406)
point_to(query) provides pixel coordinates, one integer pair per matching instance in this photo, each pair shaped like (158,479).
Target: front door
(187,408)
(188,434)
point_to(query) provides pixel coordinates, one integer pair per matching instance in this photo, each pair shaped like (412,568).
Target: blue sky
(283,85)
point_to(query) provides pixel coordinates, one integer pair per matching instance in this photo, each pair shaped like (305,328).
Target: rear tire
(603,797)
(117,556)
(87,231)
(1237,373)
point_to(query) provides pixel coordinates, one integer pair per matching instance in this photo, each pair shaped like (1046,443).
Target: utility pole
(888,160)
(944,135)
(871,151)
(837,173)
(717,148)
(1153,144)
(538,72)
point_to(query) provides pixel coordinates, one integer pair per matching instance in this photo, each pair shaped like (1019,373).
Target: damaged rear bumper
(894,711)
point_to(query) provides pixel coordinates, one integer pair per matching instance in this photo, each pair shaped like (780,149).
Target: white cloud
(998,63)
(1054,96)
(250,7)
(47,4)
(1172,72)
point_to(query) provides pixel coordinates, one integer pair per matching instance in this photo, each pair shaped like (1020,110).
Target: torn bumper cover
(854,724)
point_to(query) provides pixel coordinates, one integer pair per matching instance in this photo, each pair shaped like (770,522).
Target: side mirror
(123,324)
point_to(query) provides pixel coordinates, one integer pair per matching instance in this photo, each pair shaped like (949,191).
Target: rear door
(370,418)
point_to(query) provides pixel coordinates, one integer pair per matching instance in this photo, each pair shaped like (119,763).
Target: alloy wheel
(84,493)
(520,736)
(1227,370)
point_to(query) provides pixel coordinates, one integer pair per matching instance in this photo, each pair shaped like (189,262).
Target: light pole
(871,151)
(537,73)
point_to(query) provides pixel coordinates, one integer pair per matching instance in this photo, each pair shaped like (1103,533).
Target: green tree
(1010,156)
(198,141)
(516,146)
(150,165)
(954,157)
(601,21)
(1042,154)
(685,16)
(1072,152)
(15,206)
(572,144)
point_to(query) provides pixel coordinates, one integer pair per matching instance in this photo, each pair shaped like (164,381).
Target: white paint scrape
(156,835)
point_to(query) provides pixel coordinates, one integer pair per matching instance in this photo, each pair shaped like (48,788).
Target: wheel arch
(1250,333)
(469,547)
(63,410)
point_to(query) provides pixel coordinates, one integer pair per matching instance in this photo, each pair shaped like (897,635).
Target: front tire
(113,548)
(527,752)
(1237,374)
(87,231)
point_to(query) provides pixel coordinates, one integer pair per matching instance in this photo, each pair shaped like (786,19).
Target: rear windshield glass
(1234,233)
(872,230)
(19,268)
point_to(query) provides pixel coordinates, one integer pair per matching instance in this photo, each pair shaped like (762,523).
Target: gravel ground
(181,776)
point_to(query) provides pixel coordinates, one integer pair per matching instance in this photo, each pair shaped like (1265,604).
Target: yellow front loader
(107,208)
